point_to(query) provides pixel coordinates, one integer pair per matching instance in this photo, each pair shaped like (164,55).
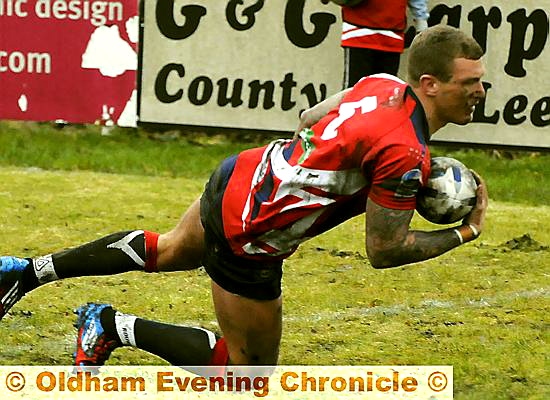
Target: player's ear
(429,85)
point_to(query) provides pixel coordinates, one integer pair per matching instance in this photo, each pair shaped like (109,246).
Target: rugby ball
(450,193)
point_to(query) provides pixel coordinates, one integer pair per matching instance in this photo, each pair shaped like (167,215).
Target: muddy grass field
(482,308)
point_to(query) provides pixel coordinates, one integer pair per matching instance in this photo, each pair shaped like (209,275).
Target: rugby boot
(93,345)
(11,282)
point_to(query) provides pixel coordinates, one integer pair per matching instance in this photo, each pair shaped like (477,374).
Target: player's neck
(434,122)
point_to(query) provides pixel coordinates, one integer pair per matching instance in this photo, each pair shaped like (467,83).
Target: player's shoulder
(389,91)
(388,106)
(379,83)
(399,113)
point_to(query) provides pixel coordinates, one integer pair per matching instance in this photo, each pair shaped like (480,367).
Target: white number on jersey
(345,112)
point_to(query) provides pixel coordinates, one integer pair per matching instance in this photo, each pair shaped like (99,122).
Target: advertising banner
(517,61)
(244,64)
(256,64)
(69,60)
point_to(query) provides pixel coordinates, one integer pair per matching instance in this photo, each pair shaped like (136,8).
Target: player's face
(458,97)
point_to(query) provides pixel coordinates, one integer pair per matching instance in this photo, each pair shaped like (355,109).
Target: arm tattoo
(390,243)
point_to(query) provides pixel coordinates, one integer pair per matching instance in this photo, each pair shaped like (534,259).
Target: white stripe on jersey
(351,31)
(284,240)
(295,177)
(291,180)
(259,175)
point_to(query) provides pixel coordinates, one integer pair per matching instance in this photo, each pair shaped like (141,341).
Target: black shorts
(260,280)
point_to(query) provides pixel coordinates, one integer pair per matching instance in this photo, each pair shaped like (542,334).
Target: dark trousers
(361,62)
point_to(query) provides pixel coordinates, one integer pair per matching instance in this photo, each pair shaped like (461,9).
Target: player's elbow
(389,254)
(381,259)
(382,264)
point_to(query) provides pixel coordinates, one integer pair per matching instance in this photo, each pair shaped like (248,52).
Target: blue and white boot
(11,282)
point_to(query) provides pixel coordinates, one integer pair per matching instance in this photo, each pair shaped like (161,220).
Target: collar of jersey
(418,116)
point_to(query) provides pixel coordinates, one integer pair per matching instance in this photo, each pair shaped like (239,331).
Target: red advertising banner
(69,60)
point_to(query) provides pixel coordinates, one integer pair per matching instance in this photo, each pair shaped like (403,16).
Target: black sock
(179,345)
(103,256)
(107,318)
(30,281)
(112,254)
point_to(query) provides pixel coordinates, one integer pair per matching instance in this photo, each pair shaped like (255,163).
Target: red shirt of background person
(373,35)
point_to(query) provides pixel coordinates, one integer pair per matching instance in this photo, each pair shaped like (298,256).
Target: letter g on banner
(167,23)
(294,25)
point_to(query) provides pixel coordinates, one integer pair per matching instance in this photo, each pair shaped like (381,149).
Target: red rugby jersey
(381,25)
(372,145)
(378,25)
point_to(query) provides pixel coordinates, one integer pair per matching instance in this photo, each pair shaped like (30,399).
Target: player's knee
(178,253)
(255,355)
(255,358)
(222,355)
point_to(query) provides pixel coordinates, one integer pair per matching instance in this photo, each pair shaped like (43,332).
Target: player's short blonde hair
(433,51)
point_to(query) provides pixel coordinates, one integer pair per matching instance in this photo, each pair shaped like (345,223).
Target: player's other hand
(476,217)
(305,122)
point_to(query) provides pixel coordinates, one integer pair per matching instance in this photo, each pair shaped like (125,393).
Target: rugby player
(363,150)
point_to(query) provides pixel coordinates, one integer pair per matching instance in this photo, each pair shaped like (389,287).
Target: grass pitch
(482,308)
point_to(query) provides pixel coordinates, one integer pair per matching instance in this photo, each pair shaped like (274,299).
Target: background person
(373,35)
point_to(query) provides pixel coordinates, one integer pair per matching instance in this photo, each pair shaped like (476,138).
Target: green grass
(123,151)
(520,177)
(482,308)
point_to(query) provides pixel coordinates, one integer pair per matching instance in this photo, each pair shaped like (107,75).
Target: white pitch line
(422,307)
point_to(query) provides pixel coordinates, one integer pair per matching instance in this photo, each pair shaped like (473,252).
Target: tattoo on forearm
(392,244)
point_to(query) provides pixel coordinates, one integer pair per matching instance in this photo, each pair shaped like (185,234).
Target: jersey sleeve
(396,176)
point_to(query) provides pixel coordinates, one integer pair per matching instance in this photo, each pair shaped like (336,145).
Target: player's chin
(464,119)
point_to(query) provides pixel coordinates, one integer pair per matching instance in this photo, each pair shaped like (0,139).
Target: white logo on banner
(109,53)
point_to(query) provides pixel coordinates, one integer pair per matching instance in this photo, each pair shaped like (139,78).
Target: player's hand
(476,217)
(312,115)
(305,122)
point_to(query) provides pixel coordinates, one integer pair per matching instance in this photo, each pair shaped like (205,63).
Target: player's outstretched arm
(391,243)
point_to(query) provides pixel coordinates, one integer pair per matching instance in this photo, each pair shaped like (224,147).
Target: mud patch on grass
(523,243)
(341,253)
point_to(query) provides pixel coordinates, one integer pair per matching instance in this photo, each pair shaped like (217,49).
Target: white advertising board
(255,64)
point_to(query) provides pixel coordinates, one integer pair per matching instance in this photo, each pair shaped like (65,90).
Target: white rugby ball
(450,193)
